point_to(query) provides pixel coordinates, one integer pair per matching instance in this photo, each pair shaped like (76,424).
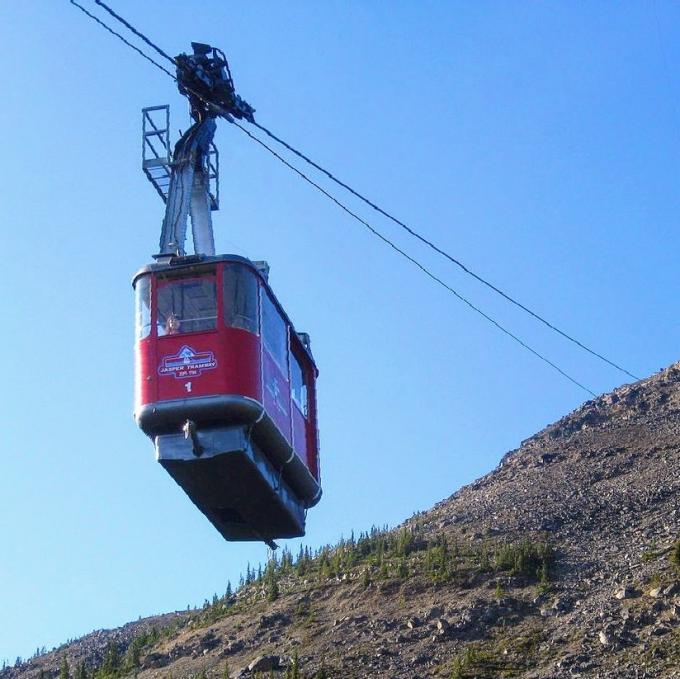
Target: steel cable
(414,261)
(437,249)
(136,32)
(374,231)
(120,37)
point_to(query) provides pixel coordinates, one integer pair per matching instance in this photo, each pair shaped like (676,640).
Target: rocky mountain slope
(562,562)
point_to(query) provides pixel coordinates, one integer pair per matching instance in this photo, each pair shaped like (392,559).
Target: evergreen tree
(81,672)
(402,568)
(64,672)
(272,586)
(134,652)
(112,660)
(383,573)
(293,672)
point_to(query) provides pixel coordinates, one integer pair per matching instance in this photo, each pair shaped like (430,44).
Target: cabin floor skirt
(228,478)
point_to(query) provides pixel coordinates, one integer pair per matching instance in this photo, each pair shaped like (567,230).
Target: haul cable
(437,249)
(342,206)
(423,268)
(120,37)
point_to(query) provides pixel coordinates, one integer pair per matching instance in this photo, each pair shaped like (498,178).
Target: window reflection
(142,307)
(298,384)
(240,298)
(274,333)
(186,305)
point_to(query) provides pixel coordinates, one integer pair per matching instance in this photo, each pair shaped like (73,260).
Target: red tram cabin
(225,388)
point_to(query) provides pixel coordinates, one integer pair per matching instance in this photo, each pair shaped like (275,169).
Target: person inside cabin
(172,324)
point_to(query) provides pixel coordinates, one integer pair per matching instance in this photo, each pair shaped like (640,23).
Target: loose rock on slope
(556,564)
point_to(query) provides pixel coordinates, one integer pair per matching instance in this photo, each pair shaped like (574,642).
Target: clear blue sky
(538,142)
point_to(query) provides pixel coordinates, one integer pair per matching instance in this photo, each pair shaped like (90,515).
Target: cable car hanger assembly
(225,386)
(184,178)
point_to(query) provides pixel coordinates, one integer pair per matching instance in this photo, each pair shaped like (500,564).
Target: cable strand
(120,37)
(135,31)
(443,253)
(343,207)
(414,261)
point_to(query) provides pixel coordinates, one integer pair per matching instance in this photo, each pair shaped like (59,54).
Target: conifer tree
(64,672)
(112,659)
(293,672)
(272,586)
(402,568)
(133,654)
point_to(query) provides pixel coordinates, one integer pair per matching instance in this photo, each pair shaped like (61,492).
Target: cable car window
(186,305)
(240,298)
(274,332)
(298,385)
(142,308)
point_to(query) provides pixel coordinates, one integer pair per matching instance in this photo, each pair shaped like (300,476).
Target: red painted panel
(311,429)
(145,372)
(221,361)
(189,365)
(241,363)
(276,394)
(226,361)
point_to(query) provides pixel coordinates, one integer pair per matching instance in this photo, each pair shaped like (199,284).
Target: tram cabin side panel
(217,330)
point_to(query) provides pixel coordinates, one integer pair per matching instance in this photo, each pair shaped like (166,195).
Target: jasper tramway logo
(187,363)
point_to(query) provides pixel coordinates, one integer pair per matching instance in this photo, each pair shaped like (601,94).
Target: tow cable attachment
(190,432)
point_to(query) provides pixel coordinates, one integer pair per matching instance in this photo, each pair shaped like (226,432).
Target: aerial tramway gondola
(225,386)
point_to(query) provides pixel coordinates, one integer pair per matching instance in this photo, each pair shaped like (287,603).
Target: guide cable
(355,216)
(437,249)
(120,37)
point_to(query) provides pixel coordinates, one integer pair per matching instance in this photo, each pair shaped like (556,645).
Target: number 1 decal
(187,386)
